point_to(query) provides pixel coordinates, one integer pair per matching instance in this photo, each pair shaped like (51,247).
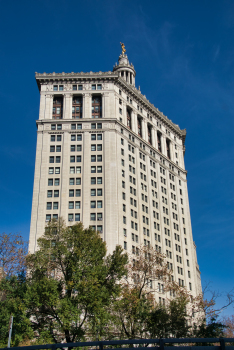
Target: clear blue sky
(183,54)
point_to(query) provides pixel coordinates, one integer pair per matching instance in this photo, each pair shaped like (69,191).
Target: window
(77,107)
(93,204)
(49,193)
(93,147)
(58,159)
(58,148)
(99,192)
(57,107)
(71,193)
(99,204)
(99,147)
(51,159)
(92,216)
(49,206)
(93,192)
(55,205)
(78,159)
(57,170)
(48,217)
(96,106)
(78,181)
(93,158)
(56,193)
(77,205)
(70,217)
(79,148)
(93,169)
(125,245)
(99,158)
(79,137)
(99,169)
(99,180)
(129,123)
(72,181)
(55,88)
(77,217)
(93,180)
(50,182)
(78,193)
(72,159)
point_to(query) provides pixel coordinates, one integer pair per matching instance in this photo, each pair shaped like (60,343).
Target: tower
(107,157)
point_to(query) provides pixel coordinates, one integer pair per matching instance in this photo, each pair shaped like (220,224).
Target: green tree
(71,281)
(12,289)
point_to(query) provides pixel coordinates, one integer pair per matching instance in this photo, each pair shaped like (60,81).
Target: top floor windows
(57,107)
(159,141)
(77,107)
(96,106)
(129,119)
(149,129)
(168,148)
(139,126)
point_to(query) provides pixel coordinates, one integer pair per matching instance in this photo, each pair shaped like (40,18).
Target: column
(144,130)
(67,106)
(154,137)
(134,122)
(87,106)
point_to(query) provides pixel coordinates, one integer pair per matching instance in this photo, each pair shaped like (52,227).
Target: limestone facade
(107,157)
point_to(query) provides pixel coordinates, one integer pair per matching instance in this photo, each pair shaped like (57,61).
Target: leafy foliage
(71,280)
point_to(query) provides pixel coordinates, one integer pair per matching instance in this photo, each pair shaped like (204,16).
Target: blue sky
(183,54)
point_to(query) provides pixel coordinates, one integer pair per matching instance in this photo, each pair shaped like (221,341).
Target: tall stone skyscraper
(107,157)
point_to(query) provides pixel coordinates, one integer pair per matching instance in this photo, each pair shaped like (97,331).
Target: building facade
(107,157)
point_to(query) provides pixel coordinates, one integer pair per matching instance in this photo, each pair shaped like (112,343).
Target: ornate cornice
(82,77)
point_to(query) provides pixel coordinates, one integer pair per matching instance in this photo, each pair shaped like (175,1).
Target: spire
(125,70)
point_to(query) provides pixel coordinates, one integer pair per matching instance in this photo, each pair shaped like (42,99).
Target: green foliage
(12,304)
(71,280)
(169,320)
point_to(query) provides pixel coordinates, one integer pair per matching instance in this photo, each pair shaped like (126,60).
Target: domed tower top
(125,70)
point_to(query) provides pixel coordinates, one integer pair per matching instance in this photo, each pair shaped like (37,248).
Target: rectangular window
(99,180)
(78,159)
(77,205)
(70,205)
(55,205)
(93,192)
(56,193)
(99,192)
(78,192)
(49,205)
(99,204)
(93,204)
(77,217)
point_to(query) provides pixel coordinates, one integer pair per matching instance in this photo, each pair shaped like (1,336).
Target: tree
(12,304)
(135,310)
(71,281)
(13,250)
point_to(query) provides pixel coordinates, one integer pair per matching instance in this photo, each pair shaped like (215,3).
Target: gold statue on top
(123,48)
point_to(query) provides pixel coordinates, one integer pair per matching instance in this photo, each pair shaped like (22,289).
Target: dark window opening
(139,126)
(96,107)
(149,134)
(159,142)
(168,149)
(77,107)
(129,121)
(57,108)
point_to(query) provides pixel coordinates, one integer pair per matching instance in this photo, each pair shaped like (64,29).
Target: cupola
(125,70)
